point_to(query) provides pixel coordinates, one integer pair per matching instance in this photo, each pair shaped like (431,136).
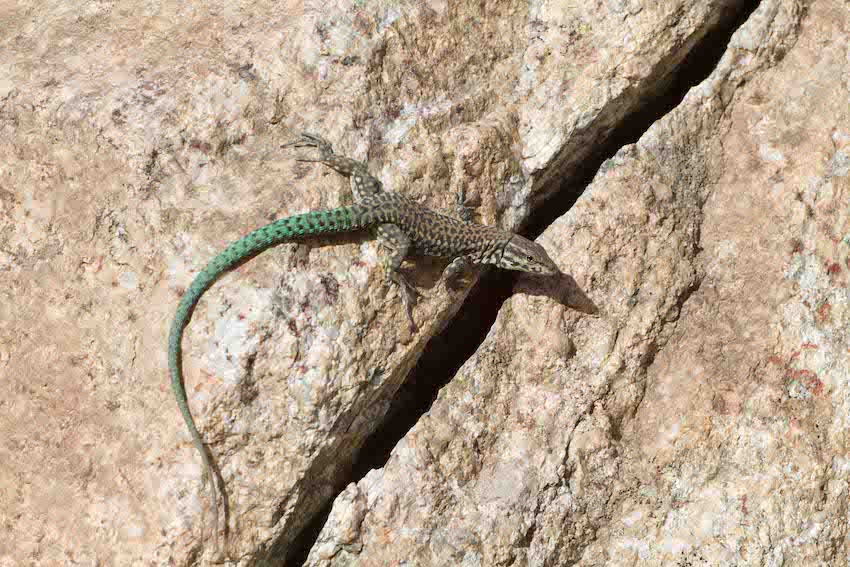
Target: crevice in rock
(693,69)
(447,352)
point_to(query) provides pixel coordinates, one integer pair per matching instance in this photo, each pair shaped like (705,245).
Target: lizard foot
(308,140)
(454,271)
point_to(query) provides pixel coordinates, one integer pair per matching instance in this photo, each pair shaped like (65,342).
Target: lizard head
(524,255)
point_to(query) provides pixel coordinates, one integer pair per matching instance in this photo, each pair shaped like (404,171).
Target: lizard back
(435,234)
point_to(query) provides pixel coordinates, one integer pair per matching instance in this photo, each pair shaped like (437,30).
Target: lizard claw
(308,140)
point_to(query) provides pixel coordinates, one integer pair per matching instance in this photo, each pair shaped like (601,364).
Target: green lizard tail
(343,219)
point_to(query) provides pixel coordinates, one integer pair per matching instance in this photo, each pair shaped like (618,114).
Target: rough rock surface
(138,139)
(701,418)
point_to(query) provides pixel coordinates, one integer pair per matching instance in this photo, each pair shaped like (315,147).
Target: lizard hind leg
(362,182)
(342,165)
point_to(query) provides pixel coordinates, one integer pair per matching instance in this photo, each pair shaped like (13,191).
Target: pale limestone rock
(702,416)
(139,138)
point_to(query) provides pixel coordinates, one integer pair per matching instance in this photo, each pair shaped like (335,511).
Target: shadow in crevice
(696,66)
(446,352)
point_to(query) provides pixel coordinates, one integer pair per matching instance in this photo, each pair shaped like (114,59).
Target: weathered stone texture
(701,418)
(701,411)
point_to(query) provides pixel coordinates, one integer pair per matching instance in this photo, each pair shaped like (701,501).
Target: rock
(138,142)
(701,418)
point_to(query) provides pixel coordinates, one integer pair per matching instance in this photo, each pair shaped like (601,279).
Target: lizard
(403,225)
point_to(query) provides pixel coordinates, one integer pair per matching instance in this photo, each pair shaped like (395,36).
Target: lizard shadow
(426,273)
(560,287)
(423,272)
(215,470)
(563,288)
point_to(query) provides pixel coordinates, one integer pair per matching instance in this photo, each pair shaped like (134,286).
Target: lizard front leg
(399,243)
(457,266)
(362,182)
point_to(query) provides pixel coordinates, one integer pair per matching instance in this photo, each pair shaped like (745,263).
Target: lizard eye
(530,258)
